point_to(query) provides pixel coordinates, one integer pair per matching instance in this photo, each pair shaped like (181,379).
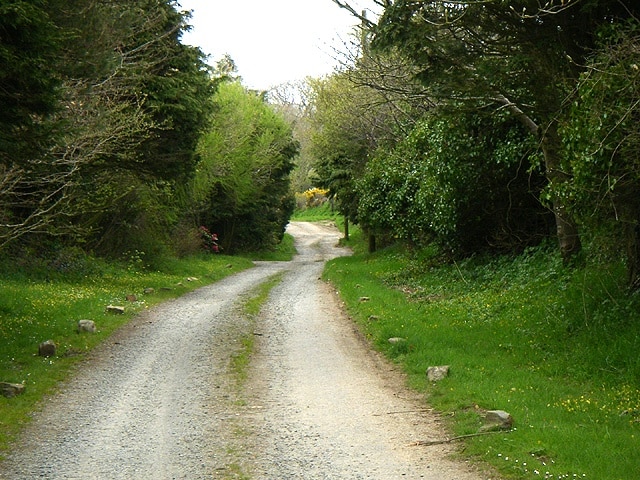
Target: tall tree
(126,103)
(602,137)
(29,45)
(517,56)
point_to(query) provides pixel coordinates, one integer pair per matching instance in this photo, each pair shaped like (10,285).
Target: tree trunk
(629,214)
(346,228)
(633,257)
(566,228)
(372,243)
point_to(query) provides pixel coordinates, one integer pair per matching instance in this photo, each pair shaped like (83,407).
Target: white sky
(271,41)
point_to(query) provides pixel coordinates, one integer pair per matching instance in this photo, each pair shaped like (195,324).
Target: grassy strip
(251,308)
(315,214)
(556,348)
(35,307)
(239,370)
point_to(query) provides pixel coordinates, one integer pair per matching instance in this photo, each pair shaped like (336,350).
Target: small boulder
(88,326)
(149,291)
(115,309)
(497,420)
(435,374)
(47,349)
(396,340)
(132,298)
(10,390)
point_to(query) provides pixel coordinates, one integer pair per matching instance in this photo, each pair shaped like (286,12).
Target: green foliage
(242,182)
(121,106)
(460,180)
(29,43)
(603,144)
(516,56)
(555,347)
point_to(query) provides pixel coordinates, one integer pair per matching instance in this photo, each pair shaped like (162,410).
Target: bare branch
(365,21)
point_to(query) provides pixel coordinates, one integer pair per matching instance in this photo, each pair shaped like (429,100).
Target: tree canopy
(563,70)
(103,111)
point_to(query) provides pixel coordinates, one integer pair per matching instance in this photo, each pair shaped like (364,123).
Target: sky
(272,41)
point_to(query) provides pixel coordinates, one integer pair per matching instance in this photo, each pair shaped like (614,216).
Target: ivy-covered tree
(520,57)
(459,180)
(602,137)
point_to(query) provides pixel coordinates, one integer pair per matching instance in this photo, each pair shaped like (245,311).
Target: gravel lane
(333,409)
(159,401)
(151,403)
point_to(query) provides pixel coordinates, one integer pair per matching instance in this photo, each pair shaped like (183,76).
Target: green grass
(315,214)
(239,370)
(42,304)
(282,253)
(251,308)
(556,348)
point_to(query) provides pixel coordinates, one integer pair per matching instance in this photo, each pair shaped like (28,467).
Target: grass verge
(315,214)
(282,253)
(554,347)
(38,306)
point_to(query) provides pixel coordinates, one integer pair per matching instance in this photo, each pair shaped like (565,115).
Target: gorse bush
(313,197)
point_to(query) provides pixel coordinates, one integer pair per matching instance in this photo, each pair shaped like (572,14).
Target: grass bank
(556,348)
(39,304)
(316,214)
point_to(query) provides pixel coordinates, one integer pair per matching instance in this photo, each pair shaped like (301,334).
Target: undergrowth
(283,252)
(555,347)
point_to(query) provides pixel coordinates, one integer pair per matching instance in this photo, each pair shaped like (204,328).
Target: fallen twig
(421,410)
(427,443)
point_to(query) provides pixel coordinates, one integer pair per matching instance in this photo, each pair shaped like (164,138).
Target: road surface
(160,399)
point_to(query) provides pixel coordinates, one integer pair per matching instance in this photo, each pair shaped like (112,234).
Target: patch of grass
(554,347)
(251,308)
(282,253)
(239,370)
(235,471)
(315,214)
(46,304)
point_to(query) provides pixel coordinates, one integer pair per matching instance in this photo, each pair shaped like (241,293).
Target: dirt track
(160,402)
